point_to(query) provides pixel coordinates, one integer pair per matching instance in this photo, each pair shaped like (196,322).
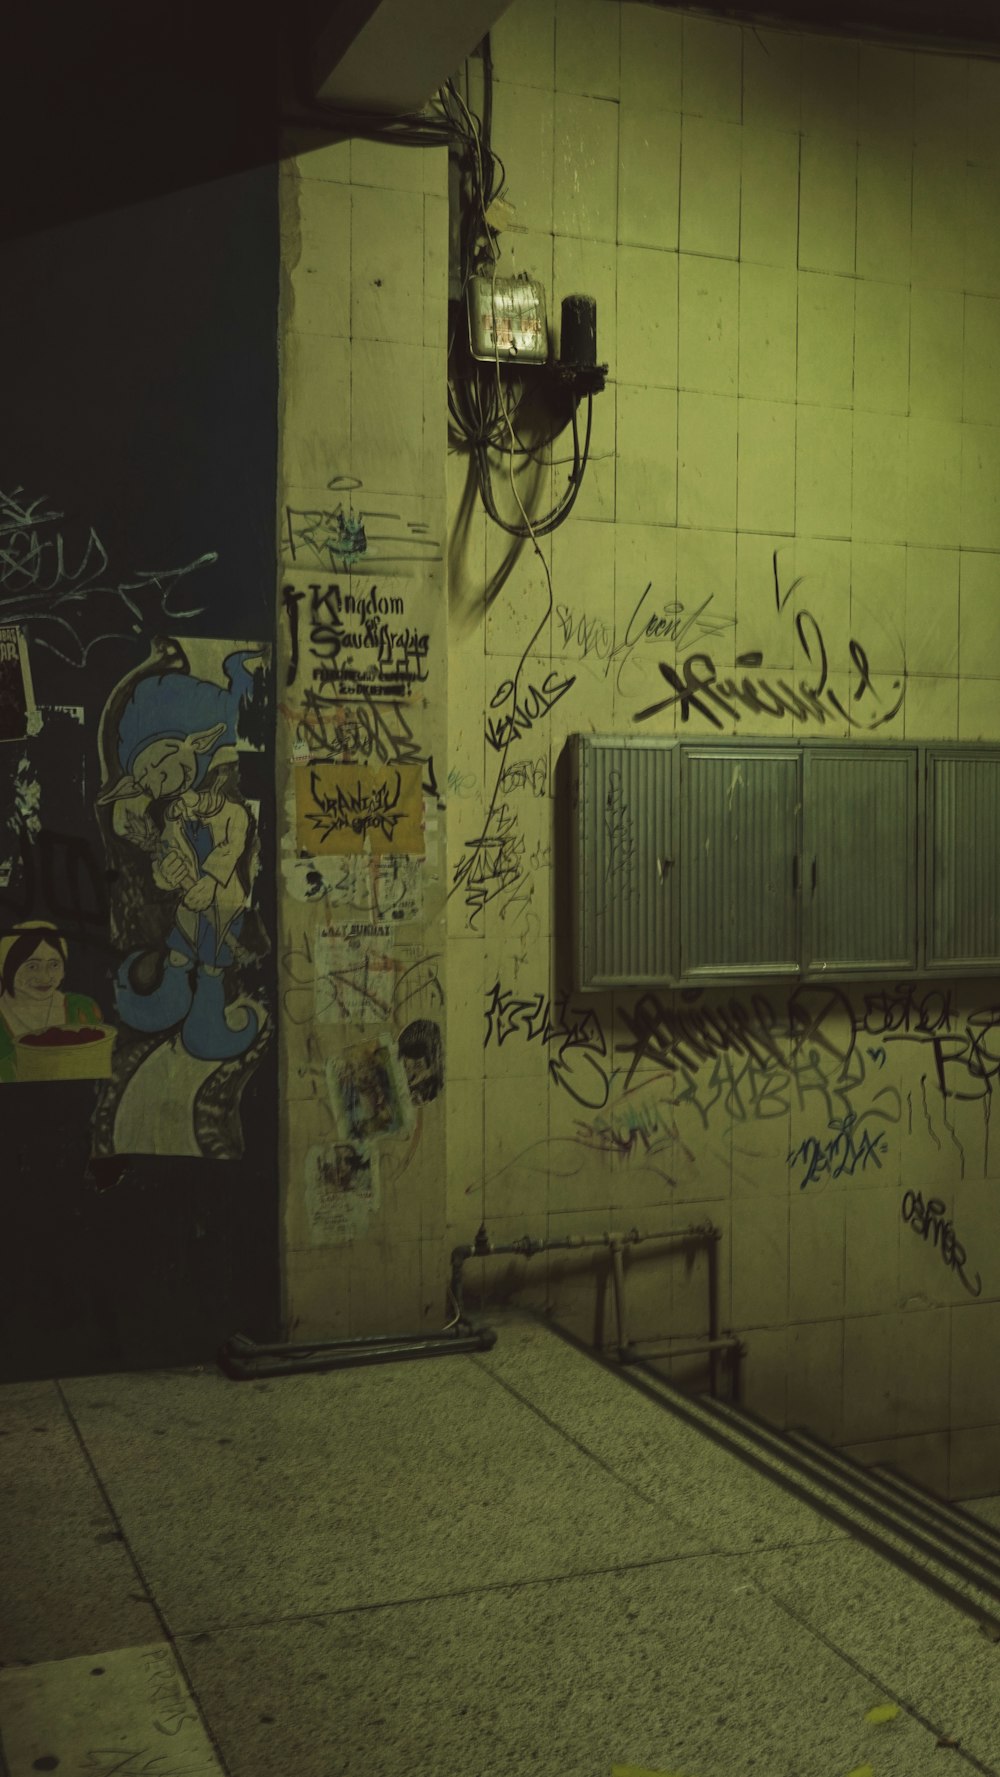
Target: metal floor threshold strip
(926,1509)
(928,1523)
(935,1552)
(954,1509)
(950,1553)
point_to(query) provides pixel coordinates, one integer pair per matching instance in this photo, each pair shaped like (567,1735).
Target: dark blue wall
(138,291)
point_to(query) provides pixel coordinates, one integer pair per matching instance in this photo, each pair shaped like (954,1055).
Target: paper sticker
(369,1093)
(359,977)
(358,808)
(389,887)
(342,1192)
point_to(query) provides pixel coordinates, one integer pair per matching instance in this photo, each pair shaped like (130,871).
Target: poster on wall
(358,808)
(181,839)
(358,975)
(47,1031)
(369,1093)
(355,637)
(342,1192)
(18,716)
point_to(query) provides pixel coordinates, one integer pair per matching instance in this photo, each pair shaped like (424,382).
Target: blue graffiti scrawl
(188,842)
(849,1150)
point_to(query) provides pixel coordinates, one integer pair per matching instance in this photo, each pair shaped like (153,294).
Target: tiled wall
(794,243)
(364,316)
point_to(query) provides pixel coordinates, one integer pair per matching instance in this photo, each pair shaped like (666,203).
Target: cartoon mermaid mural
(177,800)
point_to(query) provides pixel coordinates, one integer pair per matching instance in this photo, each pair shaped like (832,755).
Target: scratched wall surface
(362,729)
(789,526)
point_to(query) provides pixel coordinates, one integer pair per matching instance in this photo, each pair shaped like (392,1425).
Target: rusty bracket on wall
(629,1350)
(716,1345)
(244,1360)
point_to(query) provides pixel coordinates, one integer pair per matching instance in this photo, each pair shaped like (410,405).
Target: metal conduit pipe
(728,1342)
(618,1272)
(713,1317)
(633,1351)
(243,1360)
(700,1233)
(526,1248)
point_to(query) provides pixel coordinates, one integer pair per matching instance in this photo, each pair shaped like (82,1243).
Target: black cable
(559,513)
(480,417)
(487,95)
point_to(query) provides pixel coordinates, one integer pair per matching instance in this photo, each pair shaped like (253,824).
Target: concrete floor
(488,1566)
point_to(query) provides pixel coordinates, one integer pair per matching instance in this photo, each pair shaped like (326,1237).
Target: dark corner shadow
(110,104)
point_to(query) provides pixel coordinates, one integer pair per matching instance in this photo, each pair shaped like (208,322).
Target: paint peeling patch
(104,1712)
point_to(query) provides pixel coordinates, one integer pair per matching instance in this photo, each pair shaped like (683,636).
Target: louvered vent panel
(737,854)
(965,845)
(859,861)
(623,885)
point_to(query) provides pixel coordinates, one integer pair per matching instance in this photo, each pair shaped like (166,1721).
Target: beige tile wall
(793,245)
(364,327)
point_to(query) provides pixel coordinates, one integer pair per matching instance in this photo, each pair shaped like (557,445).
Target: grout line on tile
(482,1590)
(873,1679)
(583,1449)
(165,1628)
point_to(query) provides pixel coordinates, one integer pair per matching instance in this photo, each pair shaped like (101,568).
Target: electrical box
(711,862)
(507,320)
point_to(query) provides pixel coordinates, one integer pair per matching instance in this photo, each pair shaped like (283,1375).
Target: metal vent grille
(739,826)
(964,925)
(623,877)
(714,861)
(860,806)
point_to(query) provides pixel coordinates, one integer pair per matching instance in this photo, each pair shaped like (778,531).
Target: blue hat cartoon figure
(177,801)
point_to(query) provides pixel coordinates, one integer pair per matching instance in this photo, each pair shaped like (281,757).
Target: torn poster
(342,1192)
(389,887)
(18,716)
(360,980)
(368,1093)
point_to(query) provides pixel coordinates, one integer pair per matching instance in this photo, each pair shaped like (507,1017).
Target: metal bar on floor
(685,1409)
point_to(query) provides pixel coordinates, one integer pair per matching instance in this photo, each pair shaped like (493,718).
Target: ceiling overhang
(967,27)
(391,56)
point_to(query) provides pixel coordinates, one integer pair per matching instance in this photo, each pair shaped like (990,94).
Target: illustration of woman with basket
(46,1033)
